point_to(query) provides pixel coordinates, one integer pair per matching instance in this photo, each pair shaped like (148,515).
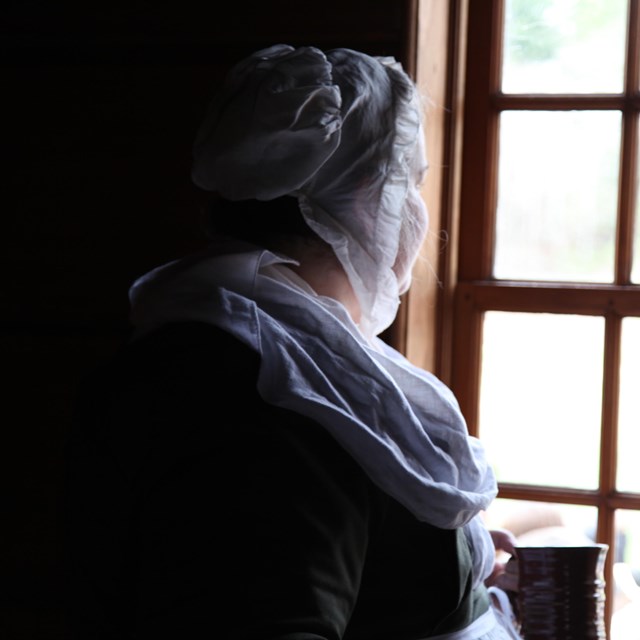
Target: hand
(504,540)
(504,574)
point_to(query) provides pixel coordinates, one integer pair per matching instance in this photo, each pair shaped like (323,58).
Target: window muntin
(635,251)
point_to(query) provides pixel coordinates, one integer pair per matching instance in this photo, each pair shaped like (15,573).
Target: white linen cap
(341,131)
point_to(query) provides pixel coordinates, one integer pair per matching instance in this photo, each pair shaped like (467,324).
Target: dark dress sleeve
(195,510)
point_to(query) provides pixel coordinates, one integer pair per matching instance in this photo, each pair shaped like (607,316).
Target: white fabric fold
(400,423)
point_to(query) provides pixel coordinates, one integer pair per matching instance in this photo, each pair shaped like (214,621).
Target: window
(539,308)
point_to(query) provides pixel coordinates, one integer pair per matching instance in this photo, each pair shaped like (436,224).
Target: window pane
(543,523)
(557,195)
(540,397)
(564,46)
(629,411)
(626,577)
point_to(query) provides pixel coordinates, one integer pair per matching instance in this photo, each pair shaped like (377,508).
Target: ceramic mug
(561,592)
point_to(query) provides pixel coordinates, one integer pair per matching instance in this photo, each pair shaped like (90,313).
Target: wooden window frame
(457,55)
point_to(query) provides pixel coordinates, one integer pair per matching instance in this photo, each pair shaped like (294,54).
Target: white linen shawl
(399,422)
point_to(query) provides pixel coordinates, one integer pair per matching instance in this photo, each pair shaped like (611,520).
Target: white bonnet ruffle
(340,130)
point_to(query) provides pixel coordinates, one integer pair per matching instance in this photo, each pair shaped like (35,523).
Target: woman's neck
(321,270)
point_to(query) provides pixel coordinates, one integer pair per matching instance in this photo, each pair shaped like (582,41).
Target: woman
(257,462)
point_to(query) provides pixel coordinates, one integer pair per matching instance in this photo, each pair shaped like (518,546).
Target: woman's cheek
(412,234)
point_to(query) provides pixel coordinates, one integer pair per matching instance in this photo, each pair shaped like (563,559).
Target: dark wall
(100,105)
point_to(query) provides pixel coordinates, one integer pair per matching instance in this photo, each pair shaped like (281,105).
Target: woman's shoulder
(193,382)
(173,364)
(192,346)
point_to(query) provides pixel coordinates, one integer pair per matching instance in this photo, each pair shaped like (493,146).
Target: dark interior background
(100,104)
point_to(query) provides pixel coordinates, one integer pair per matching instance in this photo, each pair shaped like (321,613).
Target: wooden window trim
(436,59)
(441,326)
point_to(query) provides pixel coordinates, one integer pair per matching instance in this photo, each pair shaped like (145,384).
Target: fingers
(504,574)
(507,578)
(504,540)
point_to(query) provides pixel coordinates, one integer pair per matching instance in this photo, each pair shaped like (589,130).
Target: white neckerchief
(400,423)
